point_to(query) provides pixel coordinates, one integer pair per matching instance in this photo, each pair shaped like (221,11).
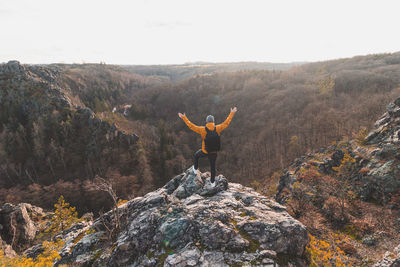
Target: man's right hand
(234,110)
(181,115)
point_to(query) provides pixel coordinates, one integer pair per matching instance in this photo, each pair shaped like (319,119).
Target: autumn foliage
(45,259)
(64,216)
(328,252)
(346,229)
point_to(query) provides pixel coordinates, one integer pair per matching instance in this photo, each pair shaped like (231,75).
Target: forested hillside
(61,125)
(282,114)
(51,141)
(348,195)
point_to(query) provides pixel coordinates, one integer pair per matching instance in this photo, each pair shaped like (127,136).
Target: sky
(181,31)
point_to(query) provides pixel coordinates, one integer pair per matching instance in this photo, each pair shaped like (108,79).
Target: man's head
(210,118)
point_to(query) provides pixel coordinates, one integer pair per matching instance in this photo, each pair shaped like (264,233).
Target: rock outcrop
(387,128)
(362,174)
(391,259)
(188,223)
(19,224)
(377,174)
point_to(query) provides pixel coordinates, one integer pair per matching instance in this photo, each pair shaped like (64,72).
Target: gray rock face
(383,176)
(285,181)
(387,128)
(70,237)
(188,223)
(18,224)
(192,256)
(391,259)
(34,251)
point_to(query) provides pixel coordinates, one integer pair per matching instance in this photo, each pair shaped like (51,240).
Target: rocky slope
(187,223)
(377,170)
(391,259)
(44,119)
(354,187)
(50,134)
(386,138)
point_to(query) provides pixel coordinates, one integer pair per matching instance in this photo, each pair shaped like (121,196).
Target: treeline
(176,73)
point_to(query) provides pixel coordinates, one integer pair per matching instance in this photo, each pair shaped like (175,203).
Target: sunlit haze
(175,32)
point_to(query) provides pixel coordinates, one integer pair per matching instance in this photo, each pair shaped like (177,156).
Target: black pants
(211,156)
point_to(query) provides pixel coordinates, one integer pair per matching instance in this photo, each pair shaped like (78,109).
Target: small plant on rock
(64,216)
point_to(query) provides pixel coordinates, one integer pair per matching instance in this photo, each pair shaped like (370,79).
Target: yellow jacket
(211,125)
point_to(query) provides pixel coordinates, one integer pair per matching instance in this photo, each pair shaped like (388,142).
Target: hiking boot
(209,185)
(194,171)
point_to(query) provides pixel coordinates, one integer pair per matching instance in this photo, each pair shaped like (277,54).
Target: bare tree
(101,184)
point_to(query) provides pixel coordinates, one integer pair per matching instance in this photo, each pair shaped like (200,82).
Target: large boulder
(189,223)
(20,224)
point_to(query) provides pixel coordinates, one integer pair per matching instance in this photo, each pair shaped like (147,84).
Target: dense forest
(282,114)
(62,125)
(51,141)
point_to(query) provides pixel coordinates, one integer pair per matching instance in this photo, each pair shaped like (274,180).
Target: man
(210,140)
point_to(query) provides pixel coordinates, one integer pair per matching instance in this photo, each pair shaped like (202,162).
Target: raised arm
(191,125)
(222,126)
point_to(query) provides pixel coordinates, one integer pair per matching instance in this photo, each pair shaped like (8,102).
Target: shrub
(346,165)
(64,216)
(334,210)
(255,185)
(311,176)
(360,137)
(271,184)
(299,201)
(328,253)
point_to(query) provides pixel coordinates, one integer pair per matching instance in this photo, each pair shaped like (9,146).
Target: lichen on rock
(188,223)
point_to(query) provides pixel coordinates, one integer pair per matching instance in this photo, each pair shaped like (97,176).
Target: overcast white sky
(172,31)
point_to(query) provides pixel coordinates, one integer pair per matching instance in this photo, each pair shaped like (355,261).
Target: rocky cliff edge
(187,223)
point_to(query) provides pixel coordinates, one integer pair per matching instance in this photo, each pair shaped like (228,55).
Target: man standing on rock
(210,135)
